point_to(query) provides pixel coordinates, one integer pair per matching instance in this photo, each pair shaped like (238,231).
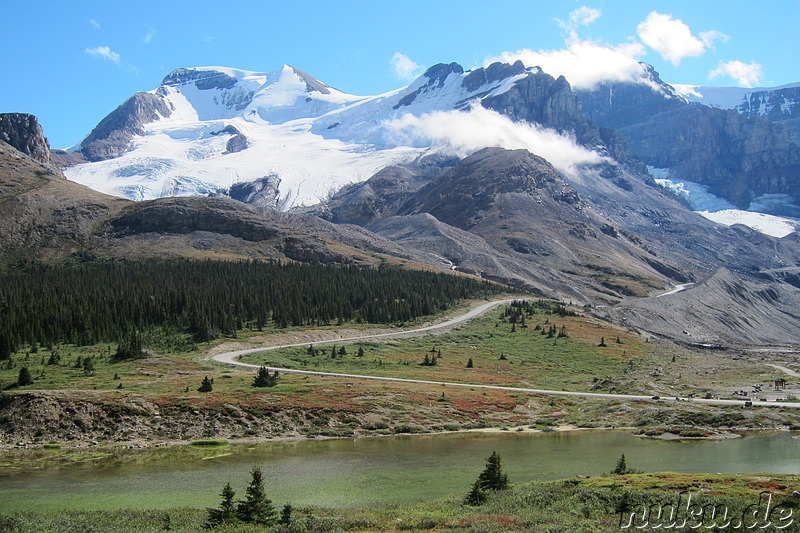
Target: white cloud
(583,16)
(709,37)
(151,32)
(94,23)
(673,39)
(463,133)
(405,68)
(584,63)
(103,52)
(745,74)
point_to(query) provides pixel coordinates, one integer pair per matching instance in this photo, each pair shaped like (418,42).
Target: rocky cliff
(739,157)
(23,132)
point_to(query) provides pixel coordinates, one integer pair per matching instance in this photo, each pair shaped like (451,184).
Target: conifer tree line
(111,301)
(517,310)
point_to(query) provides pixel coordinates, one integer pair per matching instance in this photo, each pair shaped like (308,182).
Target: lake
(340,473)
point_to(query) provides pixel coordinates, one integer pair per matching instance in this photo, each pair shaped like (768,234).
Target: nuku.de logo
(684,513)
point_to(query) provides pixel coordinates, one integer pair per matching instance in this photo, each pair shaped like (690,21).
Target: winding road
(231,358)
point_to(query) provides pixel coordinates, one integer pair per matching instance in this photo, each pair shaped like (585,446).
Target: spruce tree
(226,512)
(622,468)
(25,377)
(360,352)
(469,363)
(493,477)
(264,379)
(477,496)
(256,508)
(206,385)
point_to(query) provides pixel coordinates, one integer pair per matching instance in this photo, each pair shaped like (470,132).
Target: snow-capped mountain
(212,130)
(206,129)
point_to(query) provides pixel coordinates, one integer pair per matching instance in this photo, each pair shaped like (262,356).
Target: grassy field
(572,505)
(526,356)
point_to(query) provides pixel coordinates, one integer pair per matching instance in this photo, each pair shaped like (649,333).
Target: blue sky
(71,63)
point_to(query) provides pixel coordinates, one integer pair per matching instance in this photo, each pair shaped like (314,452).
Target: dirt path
(231,358)
(787,371)
(677,289)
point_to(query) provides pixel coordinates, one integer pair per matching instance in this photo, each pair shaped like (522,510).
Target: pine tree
(469,363)
(360,352)
(206,385)
(493,477)
(602,341)
(226,512)
(25,377)
(256,508)
(477,496)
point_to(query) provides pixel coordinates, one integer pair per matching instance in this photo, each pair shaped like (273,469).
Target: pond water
(341,473)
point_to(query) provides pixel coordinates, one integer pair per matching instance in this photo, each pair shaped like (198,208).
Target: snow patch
(723,212)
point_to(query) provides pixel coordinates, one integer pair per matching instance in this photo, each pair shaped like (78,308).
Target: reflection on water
(379,470)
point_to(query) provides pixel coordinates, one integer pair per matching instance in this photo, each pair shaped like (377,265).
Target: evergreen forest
(112,301)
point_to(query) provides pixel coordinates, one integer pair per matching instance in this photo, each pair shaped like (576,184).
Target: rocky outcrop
(112,137)
(262,193)
(23,132)
(237,143)
(203,79)
(436,76)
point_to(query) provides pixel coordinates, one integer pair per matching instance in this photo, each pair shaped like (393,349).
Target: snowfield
(723,212)
(315,138)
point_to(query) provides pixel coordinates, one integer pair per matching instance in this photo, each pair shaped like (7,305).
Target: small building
(780,384)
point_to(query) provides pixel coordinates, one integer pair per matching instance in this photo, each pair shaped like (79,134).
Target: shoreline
(732,433)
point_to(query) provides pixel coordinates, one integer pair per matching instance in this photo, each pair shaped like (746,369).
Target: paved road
(231,358)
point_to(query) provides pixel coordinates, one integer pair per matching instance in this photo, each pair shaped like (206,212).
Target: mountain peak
(312,83)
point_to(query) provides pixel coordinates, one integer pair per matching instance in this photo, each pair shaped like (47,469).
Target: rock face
(203,79)
(261,193)
(23,132)
(738,157)
(111,138)
(538,98)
